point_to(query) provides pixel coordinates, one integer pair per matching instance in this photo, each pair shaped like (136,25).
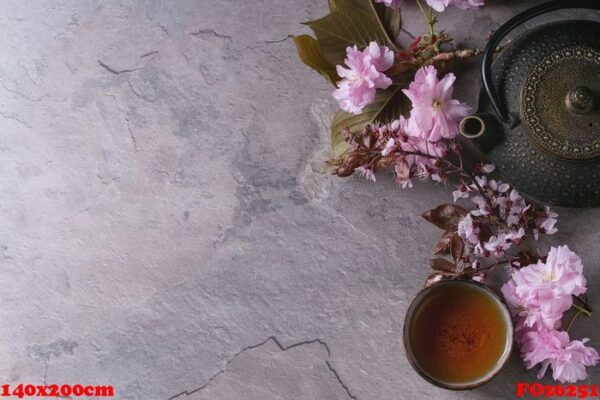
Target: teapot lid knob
(580,100)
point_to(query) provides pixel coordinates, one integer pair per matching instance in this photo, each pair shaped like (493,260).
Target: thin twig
(573,318)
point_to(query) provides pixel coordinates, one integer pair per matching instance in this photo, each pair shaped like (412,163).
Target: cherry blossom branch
(429,17)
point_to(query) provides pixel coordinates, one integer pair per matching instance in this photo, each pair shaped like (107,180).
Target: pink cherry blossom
(438,5)
(363,76)
(545,223)
(564,270)
(483,206)
(468,230)
(441,5)
(540,293)
(463,191)
(568,359)
(512,208)
(390,3)
(498,245)
(404,146)
(435,114)
(367,173)
(484,168)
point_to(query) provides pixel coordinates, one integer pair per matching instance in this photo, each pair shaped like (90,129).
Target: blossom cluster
(502,218)
(413,146)
(494,232)
(363,76)
(365,70)
(439,5)
(538,296)
(502,224)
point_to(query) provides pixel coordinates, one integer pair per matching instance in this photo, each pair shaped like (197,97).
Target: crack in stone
(44,381)
(210,32)
(276,41)
(124,113)
(10,116)
(115,71)
(339,379)
(21,94)
(159,25)
(283,349)
(149,54)
(46,370)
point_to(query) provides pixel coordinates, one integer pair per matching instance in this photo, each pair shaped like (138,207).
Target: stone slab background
(163,224)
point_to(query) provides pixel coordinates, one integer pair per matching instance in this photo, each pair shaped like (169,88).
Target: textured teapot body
(541,123)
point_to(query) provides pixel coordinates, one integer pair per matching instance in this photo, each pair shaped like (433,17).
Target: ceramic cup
(501,338)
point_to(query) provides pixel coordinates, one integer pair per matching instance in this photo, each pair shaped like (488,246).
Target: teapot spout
(483,129)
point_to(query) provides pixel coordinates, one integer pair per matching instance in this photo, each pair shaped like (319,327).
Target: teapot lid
(560,102)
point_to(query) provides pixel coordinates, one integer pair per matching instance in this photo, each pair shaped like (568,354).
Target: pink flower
(402,144)
(440,5)
(512,207)
(497,188)
(435,114)
(468,230)
(540,293)
(366,173)
(390,3)
(564,270)
(484,168)
(498,245)
(545,223)
(568,359)
(462,192)
(363,76)
(483,206)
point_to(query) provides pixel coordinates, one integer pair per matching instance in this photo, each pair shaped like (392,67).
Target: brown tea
(458,333)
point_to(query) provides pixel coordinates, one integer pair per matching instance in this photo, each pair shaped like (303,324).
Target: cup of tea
(458,334)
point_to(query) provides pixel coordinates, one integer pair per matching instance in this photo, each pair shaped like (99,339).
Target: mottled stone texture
(164,225)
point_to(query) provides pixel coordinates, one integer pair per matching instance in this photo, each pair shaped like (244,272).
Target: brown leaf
(457,247)
(311,54)
(443,246)
(437,277)
(441,264)
(445,216)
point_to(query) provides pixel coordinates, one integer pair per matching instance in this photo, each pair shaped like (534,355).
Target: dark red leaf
(445,216)
(457,247)
(441,264)
(443,246)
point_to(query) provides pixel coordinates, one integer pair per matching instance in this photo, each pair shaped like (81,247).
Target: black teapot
(539,111)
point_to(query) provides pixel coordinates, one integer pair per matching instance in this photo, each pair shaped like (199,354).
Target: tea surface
(458,334)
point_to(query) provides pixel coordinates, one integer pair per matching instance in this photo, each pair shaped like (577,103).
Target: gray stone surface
(163,224)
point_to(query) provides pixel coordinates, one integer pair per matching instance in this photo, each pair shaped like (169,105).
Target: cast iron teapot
(539,110)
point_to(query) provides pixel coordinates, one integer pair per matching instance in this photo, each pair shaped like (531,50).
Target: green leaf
(310,53)
(391,19)
(355,22)
(339,145)
(389,104)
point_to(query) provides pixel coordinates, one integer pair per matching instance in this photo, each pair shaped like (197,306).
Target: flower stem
(431,21)
(573,318)
(459,168)
(429,17)
(584,307)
